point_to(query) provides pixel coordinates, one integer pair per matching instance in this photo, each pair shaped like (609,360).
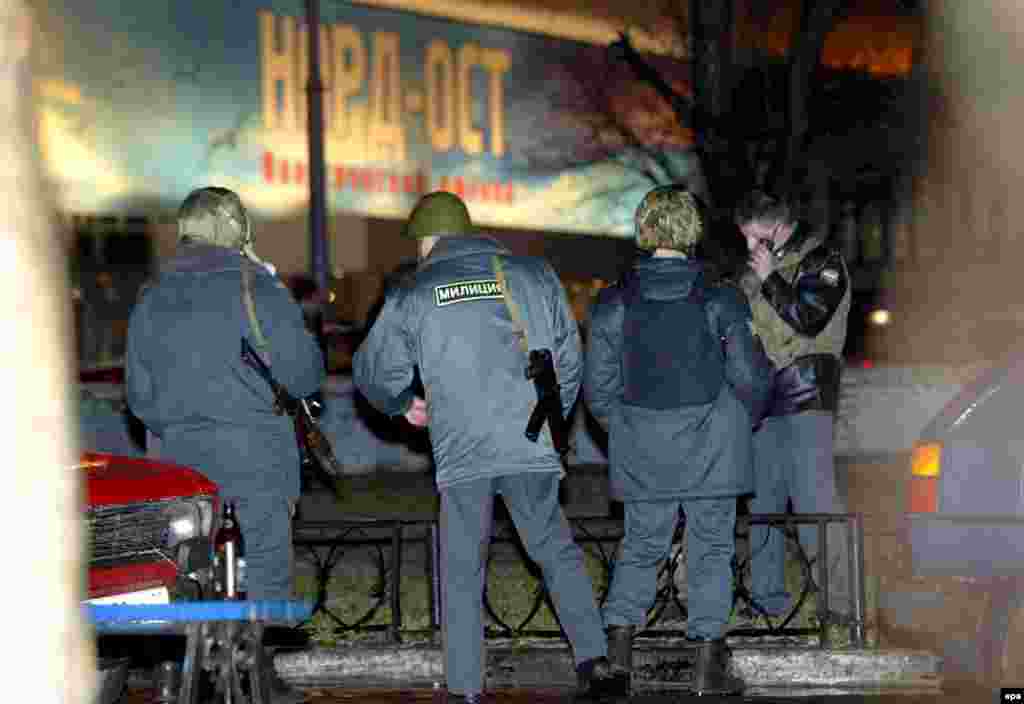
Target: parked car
(965,511)
(966,480)
(149,523)
(149,527)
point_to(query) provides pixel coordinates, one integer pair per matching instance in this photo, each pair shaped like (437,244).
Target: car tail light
(925,468)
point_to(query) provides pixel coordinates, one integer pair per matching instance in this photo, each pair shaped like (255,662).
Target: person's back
(459,321)
(186,380)
(471,363)
(679,394)
(677,379)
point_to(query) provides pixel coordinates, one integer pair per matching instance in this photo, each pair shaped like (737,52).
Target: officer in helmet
(186,380)
(466,318)
(676,376)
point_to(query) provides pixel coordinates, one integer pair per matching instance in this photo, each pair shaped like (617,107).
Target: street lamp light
(879,317)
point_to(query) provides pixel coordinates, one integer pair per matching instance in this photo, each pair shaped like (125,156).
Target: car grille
(129,533)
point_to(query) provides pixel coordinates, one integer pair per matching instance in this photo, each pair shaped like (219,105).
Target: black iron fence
(391,543)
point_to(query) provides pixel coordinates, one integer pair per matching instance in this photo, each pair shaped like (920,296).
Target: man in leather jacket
(799,293)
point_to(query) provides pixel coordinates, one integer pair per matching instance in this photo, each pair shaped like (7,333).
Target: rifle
(541,369)
(315,449)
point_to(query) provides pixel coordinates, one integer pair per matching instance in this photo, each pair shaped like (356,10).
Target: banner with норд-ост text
(141,102)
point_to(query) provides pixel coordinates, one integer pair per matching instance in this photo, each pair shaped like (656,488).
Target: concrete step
(665,665)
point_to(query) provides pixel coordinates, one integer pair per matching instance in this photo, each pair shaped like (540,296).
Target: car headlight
(187,520)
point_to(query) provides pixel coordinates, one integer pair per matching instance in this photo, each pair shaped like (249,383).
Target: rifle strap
(260,340)
(511,305)
(517,323)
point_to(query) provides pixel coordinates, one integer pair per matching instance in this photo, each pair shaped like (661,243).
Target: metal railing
(389,543)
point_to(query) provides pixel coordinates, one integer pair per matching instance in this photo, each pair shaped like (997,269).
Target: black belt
(809,383)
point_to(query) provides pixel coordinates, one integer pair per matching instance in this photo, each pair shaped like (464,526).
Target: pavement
(660,666)
(779,667)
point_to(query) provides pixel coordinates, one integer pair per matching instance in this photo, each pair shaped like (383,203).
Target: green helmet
(216,216)
(669,217)
(438,214)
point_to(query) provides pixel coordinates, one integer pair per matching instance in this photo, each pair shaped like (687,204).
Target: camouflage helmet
(438,214)
(669,217)
(215,216)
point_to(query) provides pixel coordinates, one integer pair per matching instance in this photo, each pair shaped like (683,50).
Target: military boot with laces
(711,669)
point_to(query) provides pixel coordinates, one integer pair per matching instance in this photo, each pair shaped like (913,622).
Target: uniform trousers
(266,524)
(794,458)
(710,546)
(466,517)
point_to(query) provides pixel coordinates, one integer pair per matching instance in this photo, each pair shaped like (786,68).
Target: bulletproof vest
(670,357)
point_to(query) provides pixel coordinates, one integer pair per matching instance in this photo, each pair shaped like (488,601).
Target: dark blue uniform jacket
(677,377)
(451,320)
(186,380)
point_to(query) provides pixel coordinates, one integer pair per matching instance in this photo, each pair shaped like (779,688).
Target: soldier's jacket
(682,428)
(185,378)
(451,321)
(802,308)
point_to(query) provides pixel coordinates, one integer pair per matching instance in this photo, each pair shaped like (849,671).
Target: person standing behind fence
(799,292)
(186,380)
(459,319)
(676,376)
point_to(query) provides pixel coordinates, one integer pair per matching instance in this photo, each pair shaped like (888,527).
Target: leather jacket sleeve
(748,371)
(808,303)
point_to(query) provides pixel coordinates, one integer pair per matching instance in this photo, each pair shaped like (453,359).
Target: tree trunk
(50,654)
(817,18)
(711,42)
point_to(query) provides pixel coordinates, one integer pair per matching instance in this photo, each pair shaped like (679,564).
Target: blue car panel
(978,529)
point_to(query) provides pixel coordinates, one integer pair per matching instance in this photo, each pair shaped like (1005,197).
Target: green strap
(260,340)
(517,322)
(513,307)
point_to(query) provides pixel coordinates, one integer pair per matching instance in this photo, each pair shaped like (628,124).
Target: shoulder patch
(461,291)
(830,276)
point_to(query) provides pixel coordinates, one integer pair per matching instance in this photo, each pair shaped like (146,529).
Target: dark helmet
(438,214)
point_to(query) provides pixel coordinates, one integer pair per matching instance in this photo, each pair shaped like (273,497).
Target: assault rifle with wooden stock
(315,449)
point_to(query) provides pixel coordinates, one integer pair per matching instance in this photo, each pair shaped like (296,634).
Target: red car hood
(113,480)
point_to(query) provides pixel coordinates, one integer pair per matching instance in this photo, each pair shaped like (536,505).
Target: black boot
(596,680)
(710,670)
(620,647)
(620,654)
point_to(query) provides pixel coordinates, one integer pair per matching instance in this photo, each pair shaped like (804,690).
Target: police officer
(187,382)
(465,319)
(676,376)
(799,292)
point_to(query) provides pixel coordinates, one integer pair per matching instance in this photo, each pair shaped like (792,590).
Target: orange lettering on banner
(348,75)
(470,138)
(279,70)
(439,78)
(387,138)
(497,63)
